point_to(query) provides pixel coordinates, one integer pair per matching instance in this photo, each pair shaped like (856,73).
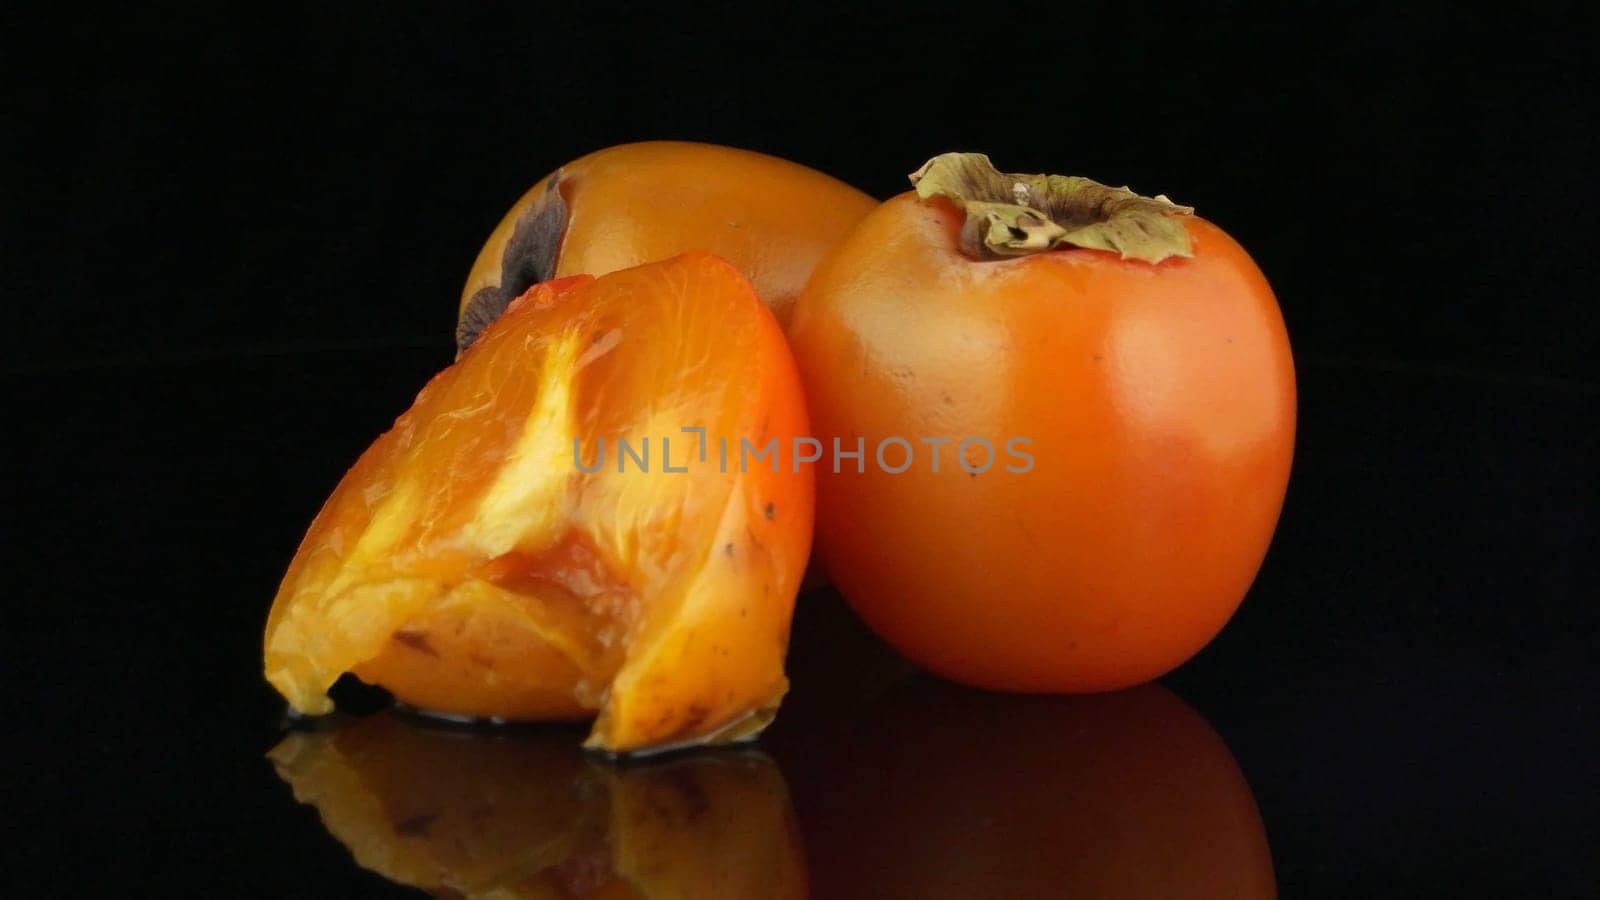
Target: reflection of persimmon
(471,565)
(638,203)
(529,817)
(941,792)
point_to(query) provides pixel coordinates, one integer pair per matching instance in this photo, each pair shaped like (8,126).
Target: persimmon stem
(1010,215)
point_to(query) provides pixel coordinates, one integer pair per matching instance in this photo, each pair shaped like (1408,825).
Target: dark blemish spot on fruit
(1098,357)
(692,720)
(728,549)
(771,510)
(416,826)
(744,612)
(1230,340)
(946,397)
(416,640)
(485,306)
(529,258)
(530,254)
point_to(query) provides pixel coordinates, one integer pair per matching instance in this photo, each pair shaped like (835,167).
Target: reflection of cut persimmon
(529,817)
(935,791)
(471,565)
(637,203)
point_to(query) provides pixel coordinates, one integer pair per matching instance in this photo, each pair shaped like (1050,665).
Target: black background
(234,244)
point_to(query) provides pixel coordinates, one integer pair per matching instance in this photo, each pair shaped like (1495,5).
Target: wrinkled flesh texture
(466,564)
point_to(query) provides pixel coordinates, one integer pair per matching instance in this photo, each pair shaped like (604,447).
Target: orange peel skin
(637,203)
(471,566)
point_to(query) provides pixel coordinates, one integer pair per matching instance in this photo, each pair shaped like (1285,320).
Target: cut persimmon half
(555,531)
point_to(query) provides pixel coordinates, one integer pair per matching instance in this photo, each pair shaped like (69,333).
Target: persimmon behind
(636,203)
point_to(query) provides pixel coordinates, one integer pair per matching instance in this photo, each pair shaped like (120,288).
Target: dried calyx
(1014,215)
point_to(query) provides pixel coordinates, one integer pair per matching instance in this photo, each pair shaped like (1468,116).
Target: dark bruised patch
(697,715)
(416,826)
(416,640)
(728,549)
(771,511)
(529,258)
(530,255)
(694,717)
(484,307)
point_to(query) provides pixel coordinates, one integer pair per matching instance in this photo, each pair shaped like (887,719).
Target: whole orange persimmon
(544,534)
(636,203)
(1076,410)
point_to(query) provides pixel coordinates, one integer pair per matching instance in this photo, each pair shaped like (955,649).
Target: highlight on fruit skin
(529,816)
(470,565)
(636,203)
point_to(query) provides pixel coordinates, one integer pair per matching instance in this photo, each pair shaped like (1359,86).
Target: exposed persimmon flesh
(469,564)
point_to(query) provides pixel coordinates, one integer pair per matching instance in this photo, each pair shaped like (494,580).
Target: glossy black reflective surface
(920,789)
(1405,699)
(528,814)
